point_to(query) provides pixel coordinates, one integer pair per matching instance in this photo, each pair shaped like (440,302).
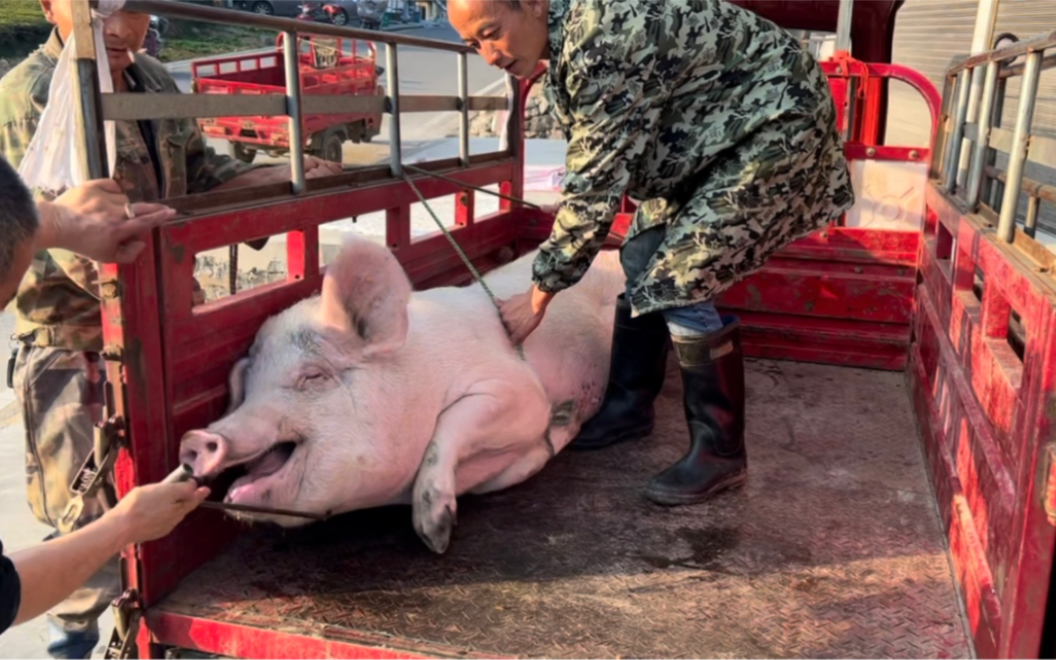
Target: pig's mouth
(245,481)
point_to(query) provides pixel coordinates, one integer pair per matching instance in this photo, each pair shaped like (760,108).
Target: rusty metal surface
(833,549)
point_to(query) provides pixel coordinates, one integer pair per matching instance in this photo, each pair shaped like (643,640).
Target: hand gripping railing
(986,135)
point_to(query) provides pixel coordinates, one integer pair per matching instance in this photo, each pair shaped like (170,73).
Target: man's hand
(151,512)
(522,313)
(93,220)
(49,572)
(313,169)
(262,176)
(317,167)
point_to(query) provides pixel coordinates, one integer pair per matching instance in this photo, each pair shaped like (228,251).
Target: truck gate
(914,278)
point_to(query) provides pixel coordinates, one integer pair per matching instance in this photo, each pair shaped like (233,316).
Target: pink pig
(371,394)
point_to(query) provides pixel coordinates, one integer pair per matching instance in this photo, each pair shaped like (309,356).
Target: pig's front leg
(504,419)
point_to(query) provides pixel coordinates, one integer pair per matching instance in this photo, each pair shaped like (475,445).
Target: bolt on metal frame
(987,137)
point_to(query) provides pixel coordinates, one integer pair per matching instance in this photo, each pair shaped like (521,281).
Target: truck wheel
(339,17)
(369,132)
(330,146)
(242,152)
(357,132)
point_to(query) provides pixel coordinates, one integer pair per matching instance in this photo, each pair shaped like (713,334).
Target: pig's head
(307,418)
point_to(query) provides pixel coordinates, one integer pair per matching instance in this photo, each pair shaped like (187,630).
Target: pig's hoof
(434,525)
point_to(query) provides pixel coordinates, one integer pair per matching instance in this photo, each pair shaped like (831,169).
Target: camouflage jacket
(650,94)
(58,299)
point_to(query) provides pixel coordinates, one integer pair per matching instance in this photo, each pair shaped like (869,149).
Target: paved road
(422,72)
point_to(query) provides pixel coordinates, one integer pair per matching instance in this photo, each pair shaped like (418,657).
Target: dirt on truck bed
(833,549)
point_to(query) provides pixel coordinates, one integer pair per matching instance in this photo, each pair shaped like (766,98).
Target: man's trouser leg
(61,393)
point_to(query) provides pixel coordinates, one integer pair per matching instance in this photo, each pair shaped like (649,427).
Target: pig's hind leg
(486,433)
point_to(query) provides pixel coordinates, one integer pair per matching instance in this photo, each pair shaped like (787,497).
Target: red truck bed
(881,505)
(327,67)
(834,549)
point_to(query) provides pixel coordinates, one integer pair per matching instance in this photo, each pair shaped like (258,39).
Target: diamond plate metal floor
(833,549)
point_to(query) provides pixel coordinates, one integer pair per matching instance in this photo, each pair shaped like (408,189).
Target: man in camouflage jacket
(724,128)
(58,373)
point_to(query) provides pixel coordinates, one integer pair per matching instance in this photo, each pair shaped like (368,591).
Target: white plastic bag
(51,163)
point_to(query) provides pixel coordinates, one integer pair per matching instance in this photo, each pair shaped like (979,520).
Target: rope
(458,249)
(466,185)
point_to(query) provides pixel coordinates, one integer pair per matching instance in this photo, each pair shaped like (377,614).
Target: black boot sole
(665,497)
(624,436)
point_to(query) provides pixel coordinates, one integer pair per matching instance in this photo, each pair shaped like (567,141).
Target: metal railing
(96,107)
(985,138)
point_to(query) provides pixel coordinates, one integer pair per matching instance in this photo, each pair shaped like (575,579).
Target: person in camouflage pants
(725,128)
(59,374)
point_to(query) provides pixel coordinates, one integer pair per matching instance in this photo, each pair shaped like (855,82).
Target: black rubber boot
(636,375)
(713,381)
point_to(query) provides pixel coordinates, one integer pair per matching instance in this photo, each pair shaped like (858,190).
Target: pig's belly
(571,348)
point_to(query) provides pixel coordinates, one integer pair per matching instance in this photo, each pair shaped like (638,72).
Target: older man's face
(123,32)
(514,40)
(9,283)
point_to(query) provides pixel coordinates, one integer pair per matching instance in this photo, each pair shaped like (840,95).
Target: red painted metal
(868,76)
(843,295)
(246,640)
(351,74)
(988,426)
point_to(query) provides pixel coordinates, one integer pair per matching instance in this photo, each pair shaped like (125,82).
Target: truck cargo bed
(833,549)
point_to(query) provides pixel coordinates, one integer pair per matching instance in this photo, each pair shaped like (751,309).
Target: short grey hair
(18,217)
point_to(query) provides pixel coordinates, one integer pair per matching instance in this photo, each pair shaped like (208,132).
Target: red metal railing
(983,368)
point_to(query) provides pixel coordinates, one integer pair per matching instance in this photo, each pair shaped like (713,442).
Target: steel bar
(441,177)
(955,144)
(938,151)
(131,107)
(1018,49)
(196,12)
(488,103)
(293,109)
(392,80)
(1017,158)
(1033,188)
(843,25)
(463,97)
(1031,223)
(1012,70)
(985,122)
(86,90)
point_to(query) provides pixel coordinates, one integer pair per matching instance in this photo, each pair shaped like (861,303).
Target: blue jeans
(697,319)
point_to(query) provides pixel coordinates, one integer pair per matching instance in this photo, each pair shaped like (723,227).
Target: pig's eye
(311,378)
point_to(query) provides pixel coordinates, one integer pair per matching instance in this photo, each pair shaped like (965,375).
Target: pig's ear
(236,385)
(365,296)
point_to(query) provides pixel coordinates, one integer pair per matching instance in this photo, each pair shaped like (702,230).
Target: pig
(370,394)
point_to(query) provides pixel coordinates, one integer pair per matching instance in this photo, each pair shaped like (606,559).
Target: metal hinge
(127,615)
(93,473)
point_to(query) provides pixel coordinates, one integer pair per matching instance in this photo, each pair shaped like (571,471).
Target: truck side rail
(972,137)
(983,360)
(294,104)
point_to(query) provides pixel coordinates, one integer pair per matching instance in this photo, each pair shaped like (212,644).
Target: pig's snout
(203,451)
